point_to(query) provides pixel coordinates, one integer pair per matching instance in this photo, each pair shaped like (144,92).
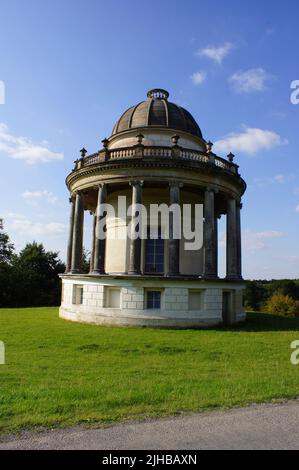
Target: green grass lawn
(62,373)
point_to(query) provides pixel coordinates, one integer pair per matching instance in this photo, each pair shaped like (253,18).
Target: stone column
(239,247)
(135,244)
(216,243)
(210,236)
(93,239)
(173,243)
(77,246)
(231,240)
(70,237)
(100,242)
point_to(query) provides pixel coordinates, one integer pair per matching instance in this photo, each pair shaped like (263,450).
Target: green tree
(6,248)
(285,287)
(255,294)
(6,272)
(85,261)
(35,273)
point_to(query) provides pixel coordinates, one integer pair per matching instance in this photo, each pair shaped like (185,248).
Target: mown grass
(59,373)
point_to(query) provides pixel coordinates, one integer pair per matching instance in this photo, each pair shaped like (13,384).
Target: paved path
(255,427)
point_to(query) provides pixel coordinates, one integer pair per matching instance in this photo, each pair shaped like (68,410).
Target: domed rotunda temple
(143,270)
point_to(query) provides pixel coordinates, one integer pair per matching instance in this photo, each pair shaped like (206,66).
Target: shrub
(282,305)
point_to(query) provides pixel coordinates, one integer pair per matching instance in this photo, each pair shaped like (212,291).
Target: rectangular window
(112,297)
(154,252)
(153,299)
(194,300)
(77,294)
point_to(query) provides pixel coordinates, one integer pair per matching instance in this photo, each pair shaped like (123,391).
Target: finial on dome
(105,143)
(175,138)
(140,138)
(158,93)
(209,146)
(83,152)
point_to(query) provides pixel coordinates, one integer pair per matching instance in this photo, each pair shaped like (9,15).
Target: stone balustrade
(142,151)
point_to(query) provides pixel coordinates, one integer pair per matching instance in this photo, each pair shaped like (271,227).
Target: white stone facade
(123,301)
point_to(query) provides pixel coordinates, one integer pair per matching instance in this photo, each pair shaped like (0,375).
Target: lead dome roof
(157,111)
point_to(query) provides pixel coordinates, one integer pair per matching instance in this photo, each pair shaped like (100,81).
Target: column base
(98,271)
(234,278)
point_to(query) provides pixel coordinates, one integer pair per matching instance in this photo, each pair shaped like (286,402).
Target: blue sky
(71,68)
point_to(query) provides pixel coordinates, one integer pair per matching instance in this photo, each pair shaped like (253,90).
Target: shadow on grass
(265,322)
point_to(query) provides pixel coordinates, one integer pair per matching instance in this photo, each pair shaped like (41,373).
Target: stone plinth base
(126,301)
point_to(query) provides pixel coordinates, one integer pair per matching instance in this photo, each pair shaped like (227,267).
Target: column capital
(136,183)
(99,185)
(176,184)
(212,189)
(233,196)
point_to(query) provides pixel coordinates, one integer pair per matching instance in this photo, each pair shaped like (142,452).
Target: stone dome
(157,111)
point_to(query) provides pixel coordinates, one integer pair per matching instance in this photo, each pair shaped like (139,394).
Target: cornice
(153,162)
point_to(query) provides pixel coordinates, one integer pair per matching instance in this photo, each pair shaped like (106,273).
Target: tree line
(31,277)
(275,296)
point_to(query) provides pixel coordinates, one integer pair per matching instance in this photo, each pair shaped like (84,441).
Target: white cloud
(34,196)
(277,179)
(249,80)
(22,225)
(22,148)
(293,259)
(198,77)
(250,141)
(253,241)
(216,53)
(297,208)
